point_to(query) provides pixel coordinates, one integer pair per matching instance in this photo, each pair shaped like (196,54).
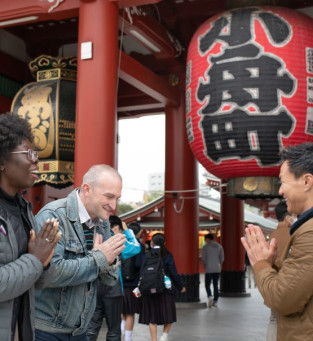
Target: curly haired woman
(24,258)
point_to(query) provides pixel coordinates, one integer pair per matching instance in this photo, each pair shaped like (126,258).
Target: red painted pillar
(266,213)
(35,195)
(232,228)
(96,119)
(181,206)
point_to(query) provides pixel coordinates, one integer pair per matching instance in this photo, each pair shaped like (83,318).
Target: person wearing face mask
(24,257)
(85,254)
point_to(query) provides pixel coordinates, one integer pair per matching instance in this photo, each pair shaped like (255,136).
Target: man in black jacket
(109,298)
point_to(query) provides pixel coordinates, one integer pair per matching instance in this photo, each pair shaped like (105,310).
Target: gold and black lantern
(49,106)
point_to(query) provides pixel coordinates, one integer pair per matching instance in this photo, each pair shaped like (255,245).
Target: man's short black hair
(135,227)
(115,220)
(299,158)
(158,239)
(281,210)
(209,236)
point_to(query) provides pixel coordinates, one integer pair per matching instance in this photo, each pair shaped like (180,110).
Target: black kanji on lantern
(239,135)
(242,82)
(238,29)
(242,75)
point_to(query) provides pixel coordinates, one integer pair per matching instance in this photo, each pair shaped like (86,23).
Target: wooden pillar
(232,228)
(96,119)
(181,206)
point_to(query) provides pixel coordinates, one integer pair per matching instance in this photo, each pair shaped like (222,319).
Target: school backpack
(152,275)
(128,269)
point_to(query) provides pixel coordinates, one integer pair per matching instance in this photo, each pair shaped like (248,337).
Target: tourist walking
(212,258)
(158,308)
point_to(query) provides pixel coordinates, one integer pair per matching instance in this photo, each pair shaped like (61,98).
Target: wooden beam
(148,82)
(43,9)
(139,107)
(129,3)
(12,67)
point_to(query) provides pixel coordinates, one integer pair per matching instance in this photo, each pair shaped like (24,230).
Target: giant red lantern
(249,92)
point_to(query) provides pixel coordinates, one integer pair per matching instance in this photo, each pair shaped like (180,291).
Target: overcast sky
(141,151)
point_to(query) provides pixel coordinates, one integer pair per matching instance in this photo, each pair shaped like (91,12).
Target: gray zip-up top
(18,276)
(212,257)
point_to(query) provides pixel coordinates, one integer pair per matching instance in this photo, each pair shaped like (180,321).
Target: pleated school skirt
(130,303)
(158,309)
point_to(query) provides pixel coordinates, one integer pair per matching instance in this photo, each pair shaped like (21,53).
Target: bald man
(85,253)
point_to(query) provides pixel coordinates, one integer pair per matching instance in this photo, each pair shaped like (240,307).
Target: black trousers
(215,278)
(110,309)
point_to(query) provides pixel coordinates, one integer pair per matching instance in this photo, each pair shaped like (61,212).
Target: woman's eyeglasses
(32,155)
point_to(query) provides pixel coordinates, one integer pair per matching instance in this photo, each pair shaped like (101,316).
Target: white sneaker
(210,302)
(163,338)
(214,304)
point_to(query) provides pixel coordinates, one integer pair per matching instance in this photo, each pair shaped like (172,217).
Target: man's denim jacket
(67,304)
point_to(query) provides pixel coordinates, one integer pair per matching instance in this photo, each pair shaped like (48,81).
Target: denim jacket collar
(72,207)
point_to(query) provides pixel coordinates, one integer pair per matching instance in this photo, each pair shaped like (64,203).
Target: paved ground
(235,319)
